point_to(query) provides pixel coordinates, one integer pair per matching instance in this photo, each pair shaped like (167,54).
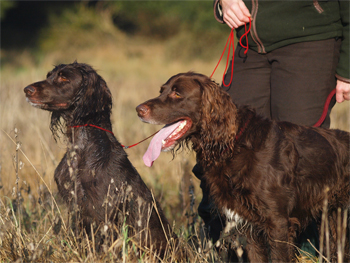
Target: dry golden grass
(134,70)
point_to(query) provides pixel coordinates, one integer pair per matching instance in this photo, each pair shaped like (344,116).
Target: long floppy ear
(95,96)
(218,119)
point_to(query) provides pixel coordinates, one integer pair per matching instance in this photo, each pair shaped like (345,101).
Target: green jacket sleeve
(343,68)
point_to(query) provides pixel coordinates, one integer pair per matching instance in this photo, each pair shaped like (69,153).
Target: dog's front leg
(278,235)
(257,246)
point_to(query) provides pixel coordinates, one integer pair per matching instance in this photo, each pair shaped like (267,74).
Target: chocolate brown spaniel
(269,178)
(95,173)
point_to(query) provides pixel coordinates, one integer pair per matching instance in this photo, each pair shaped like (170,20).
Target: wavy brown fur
(218,125)
(265,175)
(95,173)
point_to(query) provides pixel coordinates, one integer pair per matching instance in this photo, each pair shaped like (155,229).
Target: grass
(34,222)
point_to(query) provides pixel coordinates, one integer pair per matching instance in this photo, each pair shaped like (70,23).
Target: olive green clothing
(277,24)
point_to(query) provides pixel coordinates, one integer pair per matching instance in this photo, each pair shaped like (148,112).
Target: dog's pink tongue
(155,145)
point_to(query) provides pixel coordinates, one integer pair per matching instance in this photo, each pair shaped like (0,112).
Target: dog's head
(72,92)
(193,107)
(57,91)
(67,85)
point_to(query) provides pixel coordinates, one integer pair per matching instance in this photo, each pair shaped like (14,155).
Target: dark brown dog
(96,172)
(269,176)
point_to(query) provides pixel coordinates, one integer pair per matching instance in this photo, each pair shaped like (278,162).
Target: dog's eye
(63,79)
(175,95)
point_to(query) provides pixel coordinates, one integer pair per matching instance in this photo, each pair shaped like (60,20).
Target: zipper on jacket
(254,34)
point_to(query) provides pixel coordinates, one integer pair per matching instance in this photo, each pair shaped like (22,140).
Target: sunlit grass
(33,220)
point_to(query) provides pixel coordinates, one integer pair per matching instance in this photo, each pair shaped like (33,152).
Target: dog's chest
(233,219)
(227,188)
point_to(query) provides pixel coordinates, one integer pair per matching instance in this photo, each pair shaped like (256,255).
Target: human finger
(342,91)
(232,21)
(235,13)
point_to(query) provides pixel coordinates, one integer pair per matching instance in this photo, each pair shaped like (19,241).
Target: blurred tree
(163,19)
(4,6)
(188,25)
(23,20)
(80,26)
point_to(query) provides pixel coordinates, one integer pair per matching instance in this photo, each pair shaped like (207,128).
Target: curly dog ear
(218,121)
(95,93)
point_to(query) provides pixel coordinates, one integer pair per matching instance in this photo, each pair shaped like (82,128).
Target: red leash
(91,125)
(126,147)
(317,124)
(325,109)
(97,127)
(231,40)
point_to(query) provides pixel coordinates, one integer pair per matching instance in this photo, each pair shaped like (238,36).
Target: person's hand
(342,91)
(235,13)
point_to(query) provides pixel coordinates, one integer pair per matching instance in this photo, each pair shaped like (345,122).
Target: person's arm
(232,12)
(343,70)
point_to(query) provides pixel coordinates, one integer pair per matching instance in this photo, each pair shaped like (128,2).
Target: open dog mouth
(181,127)
(166,139)
(44,105)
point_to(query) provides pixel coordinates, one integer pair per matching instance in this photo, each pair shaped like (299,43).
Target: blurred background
(135,46)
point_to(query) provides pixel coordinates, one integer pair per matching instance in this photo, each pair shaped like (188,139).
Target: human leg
(302,76)
(251,81)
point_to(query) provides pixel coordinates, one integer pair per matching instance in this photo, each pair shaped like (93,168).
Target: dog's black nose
(142,110)
(29,90)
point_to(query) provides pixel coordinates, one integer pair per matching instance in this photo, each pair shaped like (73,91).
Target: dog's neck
(70,126)
(244,116)
(216,152)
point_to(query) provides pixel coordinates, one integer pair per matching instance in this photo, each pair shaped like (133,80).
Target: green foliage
(5,6)
(77,27)
(146,18)
(164,19)
(187,27)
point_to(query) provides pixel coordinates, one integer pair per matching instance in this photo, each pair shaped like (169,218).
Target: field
(30,211)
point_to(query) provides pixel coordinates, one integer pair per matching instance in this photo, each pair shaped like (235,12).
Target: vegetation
(136,47)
